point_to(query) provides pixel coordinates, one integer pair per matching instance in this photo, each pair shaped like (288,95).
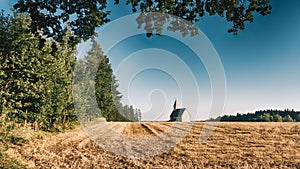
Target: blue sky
(262,62)
(261,65)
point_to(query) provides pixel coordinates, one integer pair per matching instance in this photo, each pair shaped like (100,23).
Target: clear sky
(262,65)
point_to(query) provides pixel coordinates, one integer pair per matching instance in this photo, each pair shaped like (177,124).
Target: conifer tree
(98,72)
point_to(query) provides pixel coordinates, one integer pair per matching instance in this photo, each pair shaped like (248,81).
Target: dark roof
(177,112)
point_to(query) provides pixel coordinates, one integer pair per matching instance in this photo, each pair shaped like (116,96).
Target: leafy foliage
(49,16)
(84,17)
(235,11)
(35,81)
(264,116)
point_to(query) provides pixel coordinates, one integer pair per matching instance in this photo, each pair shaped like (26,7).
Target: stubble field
(232,145)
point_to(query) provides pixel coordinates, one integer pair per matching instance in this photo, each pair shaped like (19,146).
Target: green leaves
(83,17)
(35,83)
(235,11)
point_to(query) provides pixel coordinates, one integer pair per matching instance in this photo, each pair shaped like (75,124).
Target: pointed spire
(175,106)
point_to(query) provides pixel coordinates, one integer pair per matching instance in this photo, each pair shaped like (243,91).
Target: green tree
(59,82)
(117,96)
(84,17)
(267,117)
(35,81)
(277,118)
(94,75)
(101,76)
(84,83)
(288,118)
(103,89)
(83,92)
(138,114)
(298,118)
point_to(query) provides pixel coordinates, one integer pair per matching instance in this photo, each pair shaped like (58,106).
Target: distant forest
(262,116)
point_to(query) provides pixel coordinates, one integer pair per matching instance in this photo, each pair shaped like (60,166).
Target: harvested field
(232,145)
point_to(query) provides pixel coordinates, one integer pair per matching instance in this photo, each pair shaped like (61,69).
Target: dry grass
(232,145)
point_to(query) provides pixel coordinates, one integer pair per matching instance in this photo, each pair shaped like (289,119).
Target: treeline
(36,75)
(263,116)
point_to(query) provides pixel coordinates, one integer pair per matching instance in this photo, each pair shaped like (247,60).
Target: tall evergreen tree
(103,89)
(94,72)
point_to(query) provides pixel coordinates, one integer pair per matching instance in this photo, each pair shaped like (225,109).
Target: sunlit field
(232,145)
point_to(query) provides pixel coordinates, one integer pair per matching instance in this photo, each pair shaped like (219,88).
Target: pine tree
(94,80)
(103,89)
(106,86)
